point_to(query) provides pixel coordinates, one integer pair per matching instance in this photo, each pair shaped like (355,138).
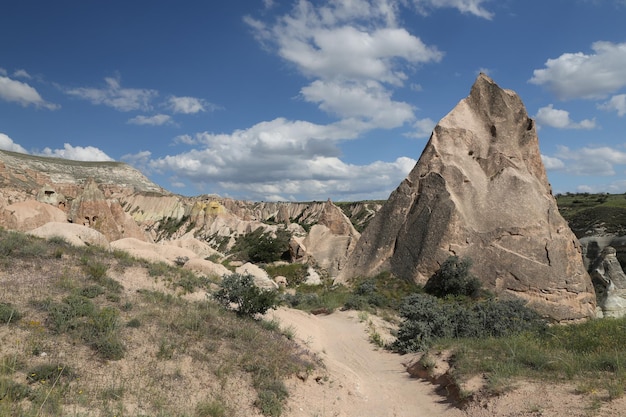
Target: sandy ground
(360,380)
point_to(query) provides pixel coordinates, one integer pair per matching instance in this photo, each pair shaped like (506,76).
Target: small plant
(133,323)
(13,391)
(213,408)
(249,299)
(92,291)
(454,278)
(49,372)
(9,314)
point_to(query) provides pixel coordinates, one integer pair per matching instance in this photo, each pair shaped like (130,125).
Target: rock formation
(480,190)
(609,282)
(329,242)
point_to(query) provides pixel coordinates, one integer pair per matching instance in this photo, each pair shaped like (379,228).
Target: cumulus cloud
(281,158)
(156,120)
(560,119)
(189,105)
(616,103)
(77,153)
(464,6)
(368,101)
(589,76)
(552,164)
(355,53)
(113,95)
(7,144)
(599,161)
(22,93)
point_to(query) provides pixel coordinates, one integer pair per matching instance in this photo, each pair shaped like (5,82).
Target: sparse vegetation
(70,308)
(249,300)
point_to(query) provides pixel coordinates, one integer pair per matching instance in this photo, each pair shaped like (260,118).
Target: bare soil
(361,380)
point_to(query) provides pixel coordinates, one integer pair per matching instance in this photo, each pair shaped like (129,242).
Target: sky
(295,100)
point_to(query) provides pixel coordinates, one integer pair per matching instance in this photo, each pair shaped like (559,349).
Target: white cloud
(113,95)
(464,6)
(22,93)
(7,144)
(355,53)
(281,158)
(77,153)
(422,128)
(580,75)
(615,187)
(349,52)
(156,120)
(552,164)
(590,161)
(617,103)
(189,105)
(3,71)
(20,73)
(364,100)
(549,116)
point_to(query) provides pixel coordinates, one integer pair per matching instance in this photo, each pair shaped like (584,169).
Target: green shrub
(214,408)
(271,397)
(248,298)
(260,247)
(15,244)
(9,314)
(92,291)
(295,273)
(454,278)
(49,372)
(13,391)
(427,319)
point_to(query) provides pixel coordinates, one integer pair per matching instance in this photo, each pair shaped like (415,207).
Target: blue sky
(306,100)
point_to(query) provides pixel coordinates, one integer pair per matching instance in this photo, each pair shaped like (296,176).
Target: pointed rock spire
(480,190)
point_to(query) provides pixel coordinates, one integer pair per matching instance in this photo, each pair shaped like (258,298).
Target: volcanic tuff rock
(480,190)
(609,281)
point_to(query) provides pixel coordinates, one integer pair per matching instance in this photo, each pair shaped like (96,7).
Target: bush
(249,299)
(8,313)
(259,247)
(454,278)
(49,372)
(427,319)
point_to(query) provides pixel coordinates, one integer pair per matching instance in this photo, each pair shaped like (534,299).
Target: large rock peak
(480,190)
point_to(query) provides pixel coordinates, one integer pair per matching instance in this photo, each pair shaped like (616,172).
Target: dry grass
(87,346)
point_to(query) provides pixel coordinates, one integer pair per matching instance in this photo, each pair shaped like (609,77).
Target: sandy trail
(359,380)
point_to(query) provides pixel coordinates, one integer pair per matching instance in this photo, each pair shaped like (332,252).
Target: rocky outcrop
(29,172)
(74,234)
(480,190)
(609,282)
(329,242)
(29,215)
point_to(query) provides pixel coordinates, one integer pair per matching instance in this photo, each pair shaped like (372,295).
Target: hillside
(594,214)
(89,332)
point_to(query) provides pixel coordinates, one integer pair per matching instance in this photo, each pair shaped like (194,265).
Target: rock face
(480,190)
(609,281)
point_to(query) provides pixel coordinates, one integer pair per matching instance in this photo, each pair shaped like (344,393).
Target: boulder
(480,190)
(201,266)
(31,214)
(329,242)
(261,278)
(74,234)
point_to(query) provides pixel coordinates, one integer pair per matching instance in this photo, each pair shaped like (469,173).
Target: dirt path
(359,379)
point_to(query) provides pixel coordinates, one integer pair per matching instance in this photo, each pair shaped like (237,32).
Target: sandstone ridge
(480,190)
